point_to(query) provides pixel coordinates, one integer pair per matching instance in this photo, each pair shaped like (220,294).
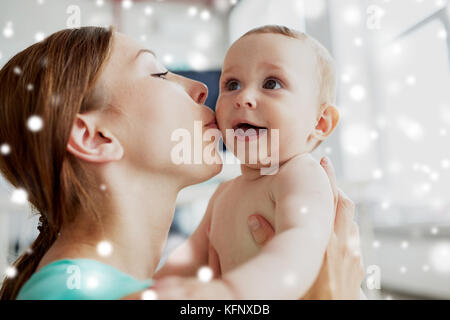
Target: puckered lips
(242,130)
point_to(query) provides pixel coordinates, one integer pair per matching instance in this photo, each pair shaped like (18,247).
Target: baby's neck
(251,174)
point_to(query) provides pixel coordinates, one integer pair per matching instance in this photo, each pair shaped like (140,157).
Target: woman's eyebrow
(145,50)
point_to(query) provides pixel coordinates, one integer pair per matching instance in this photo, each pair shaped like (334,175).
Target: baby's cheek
(220,113)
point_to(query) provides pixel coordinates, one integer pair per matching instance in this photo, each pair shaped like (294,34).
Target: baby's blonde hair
(325,62)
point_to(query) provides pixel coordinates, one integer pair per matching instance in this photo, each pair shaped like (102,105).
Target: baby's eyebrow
(228,69)
(273,66)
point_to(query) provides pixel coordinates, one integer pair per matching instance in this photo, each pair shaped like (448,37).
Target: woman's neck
(135,218)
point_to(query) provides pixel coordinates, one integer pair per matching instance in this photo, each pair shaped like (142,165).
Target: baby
(274,81)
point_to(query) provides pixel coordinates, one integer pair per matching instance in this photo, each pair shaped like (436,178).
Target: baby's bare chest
(229,234)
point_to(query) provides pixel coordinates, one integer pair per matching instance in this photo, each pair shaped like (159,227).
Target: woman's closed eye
(272,84)
(161,75)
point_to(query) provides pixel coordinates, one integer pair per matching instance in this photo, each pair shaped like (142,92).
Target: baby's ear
(326,123)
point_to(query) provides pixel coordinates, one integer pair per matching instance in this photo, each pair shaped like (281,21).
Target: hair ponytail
(27,263)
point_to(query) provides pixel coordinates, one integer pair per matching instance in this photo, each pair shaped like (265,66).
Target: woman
(100,167)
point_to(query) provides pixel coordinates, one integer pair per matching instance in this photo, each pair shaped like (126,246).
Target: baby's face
(270,81)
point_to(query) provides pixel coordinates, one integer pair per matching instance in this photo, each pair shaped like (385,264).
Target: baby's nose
(245,101)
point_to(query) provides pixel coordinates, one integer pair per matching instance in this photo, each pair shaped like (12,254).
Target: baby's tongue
(246,126)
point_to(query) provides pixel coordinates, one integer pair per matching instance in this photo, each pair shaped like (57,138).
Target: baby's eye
(232,85)
(272,84)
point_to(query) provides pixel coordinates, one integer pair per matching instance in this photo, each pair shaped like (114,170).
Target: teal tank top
(80,279)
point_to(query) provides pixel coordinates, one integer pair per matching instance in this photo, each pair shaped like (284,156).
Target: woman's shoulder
(80,279)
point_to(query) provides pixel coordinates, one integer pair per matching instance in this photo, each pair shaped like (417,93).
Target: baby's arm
(185,260)
(291,261)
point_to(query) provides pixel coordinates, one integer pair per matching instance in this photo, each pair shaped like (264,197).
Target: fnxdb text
(246,309)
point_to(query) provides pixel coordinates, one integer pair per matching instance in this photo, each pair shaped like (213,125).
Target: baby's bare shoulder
(300,167)
(221,188)
(301,172)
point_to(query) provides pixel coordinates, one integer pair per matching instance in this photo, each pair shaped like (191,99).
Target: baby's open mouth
(246,126)
(246,131)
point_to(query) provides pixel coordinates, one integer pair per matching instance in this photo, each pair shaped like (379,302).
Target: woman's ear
(92,144)
(326,123)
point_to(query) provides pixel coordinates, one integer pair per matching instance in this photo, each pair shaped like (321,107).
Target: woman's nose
(198,91)
(245,99)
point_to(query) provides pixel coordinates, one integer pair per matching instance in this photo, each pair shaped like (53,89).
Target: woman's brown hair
(54,80)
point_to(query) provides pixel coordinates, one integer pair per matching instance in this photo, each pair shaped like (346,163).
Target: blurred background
(391,149)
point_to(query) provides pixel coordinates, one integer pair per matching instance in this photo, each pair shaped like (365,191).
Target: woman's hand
(342,271)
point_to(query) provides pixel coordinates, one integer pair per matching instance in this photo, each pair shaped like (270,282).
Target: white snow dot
(374,135)
(30,87)
(17,70)
(303,210)
(197,61)
(148,10)
(11,272)
(8,31)
(149,295)
(205,274)
(357,92)
(352,15)
(385,205)
(434,230)
(440,257)
(192,11)
(377,174)
(205,15)
(403,269)
(39,36)
(92,282)
(346,78)
(99,3)
(19,196)
(289,279)
(443,132)
(127,4)
(411,80)
(425,268)
(445,163)
(397,49)
(442,34)
(376,244)
(104,248)
(434,176)
(5,149)
(328,150)
(35,123)
(358,41)
(167,58)
(103,187)
(405,244)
